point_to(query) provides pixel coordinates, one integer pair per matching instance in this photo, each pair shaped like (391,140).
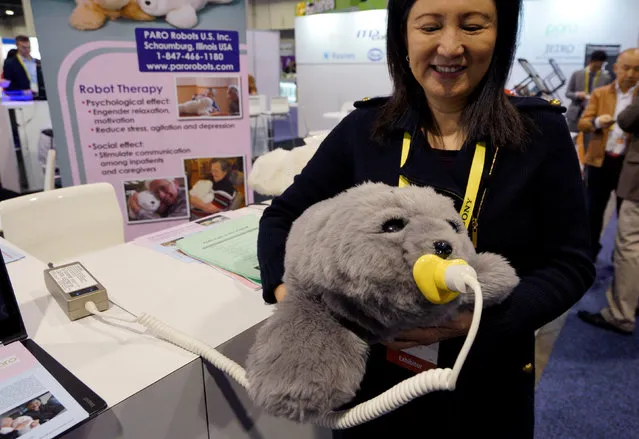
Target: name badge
(416,359)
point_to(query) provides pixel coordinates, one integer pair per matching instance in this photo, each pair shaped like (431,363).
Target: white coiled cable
(395,397)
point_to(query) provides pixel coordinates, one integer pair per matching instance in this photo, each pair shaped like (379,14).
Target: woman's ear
(495,275)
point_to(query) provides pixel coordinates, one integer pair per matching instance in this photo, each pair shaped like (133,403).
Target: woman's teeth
(442,69)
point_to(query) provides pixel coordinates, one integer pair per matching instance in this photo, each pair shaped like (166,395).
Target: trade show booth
(341,57)
(25,121)
(158,128)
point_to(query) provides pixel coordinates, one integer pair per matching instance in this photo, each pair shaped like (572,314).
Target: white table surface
(191,297)
(113,362)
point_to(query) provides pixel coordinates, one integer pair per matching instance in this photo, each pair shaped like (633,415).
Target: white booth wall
(341,57)
(264,60)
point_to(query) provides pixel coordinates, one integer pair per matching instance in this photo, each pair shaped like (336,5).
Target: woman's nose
(450,44)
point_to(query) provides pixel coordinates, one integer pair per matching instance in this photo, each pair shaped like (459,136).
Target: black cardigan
(534,214)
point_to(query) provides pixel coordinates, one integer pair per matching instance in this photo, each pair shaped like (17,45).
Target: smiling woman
(444,55)
(509,165)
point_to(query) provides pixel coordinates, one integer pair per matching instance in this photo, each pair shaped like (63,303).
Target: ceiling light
(9,12)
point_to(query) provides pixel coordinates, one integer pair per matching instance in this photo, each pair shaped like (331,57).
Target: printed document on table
(33,404)
(165,241)
(10,255)
(231,245)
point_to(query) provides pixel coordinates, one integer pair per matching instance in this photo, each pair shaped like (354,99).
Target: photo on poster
(30,415)
(156,199)
(215,184)
(208,97)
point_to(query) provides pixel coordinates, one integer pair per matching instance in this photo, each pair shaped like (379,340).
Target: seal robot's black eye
(454,225)
(443,249)
(393,225)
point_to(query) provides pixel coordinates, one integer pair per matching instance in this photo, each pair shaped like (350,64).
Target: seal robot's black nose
(443,249)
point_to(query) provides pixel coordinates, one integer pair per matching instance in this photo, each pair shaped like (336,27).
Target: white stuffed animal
(178,13)
(274,171)
(148,202)
(203,189)
(201,106)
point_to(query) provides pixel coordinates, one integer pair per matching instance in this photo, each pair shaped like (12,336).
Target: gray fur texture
(341,266)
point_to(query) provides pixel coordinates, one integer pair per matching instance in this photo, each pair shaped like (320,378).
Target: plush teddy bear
(350,283)
(92,14)
(179,13)
(201,106)
(203,189)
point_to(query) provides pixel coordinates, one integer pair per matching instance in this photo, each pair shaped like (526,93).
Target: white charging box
(72,286)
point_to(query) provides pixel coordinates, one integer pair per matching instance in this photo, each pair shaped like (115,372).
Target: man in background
(223,191)
(582,84)
(607,147)
(23,70)
(623,295)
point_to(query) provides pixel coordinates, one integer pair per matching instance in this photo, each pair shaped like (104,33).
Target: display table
(148,383)
(126,369)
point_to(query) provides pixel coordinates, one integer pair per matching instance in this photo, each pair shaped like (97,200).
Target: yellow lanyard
(586,86)
(24,67)
(474,179)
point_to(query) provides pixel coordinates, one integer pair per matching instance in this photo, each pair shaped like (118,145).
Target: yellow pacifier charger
(430,274)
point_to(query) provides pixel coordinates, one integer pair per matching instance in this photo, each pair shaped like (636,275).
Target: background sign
(562,30)
(155,108)
(349,37)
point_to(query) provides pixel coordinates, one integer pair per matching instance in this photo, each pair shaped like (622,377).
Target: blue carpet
(590,387)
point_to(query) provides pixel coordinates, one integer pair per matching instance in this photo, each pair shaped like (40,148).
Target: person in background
(581,85)
(22,70)
(233,94)
(252,85)
(4,83)
(223,190)
(449,62)
(623,295)
(607,147)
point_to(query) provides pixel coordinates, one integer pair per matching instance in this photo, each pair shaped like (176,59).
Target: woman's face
(450,45)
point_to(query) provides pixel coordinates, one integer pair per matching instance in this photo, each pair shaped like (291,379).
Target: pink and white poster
(151,100)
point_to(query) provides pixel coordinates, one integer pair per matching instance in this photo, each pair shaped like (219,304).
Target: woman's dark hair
(11,53)
(489,114)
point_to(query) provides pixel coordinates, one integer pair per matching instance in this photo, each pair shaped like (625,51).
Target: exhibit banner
(346,38)
(561,29)
(150,96)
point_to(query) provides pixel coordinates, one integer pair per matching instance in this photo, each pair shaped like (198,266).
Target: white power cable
(395,397)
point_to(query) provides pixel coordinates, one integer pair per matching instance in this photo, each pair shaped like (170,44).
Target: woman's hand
(280,292)
(427,336)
